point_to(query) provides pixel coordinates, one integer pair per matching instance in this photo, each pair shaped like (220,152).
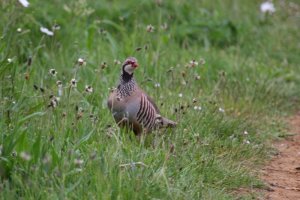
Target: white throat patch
(129,69)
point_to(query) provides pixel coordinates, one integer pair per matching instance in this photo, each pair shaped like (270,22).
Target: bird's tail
(162,122)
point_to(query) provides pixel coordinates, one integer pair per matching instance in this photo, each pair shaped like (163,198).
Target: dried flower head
(103,65)
(53,101)
(88,89)
(150,28)
(197,77)
(193,63)
(78,162)
(52,72)
(117,62)
(59,83)
(201,61)
(56,27)
(73,82)
(164,26)
(81,61)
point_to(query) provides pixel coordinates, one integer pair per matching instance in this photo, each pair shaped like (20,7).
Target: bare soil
(282,173)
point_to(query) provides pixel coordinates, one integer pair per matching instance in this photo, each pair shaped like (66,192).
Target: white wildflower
(267,7)
(193,63)
(246,133)
(19,30)
(56,27)
(52,72)
(117,62)
(197,77)
(9,60)
(150,28)
(221,110)
(78,161)
(157,85)
(46,31)
(164,26)
(198,108)
(73,82)
(180,95)
(246,141)
(53,101)
(24,3)
(88,89)
(81,61)
(25,156)
(201,61)
(60,88)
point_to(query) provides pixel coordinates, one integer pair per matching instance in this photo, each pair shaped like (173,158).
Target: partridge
(131,107)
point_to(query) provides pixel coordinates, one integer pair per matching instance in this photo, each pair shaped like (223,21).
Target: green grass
(75,150)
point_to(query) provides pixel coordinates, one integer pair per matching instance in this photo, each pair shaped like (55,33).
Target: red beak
(135,65)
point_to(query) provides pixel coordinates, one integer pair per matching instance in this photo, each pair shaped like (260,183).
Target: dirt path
(282,174)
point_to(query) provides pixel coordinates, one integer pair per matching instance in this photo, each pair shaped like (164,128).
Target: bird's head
(129,65)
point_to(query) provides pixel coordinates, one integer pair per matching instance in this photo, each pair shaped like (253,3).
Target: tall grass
(61,142)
